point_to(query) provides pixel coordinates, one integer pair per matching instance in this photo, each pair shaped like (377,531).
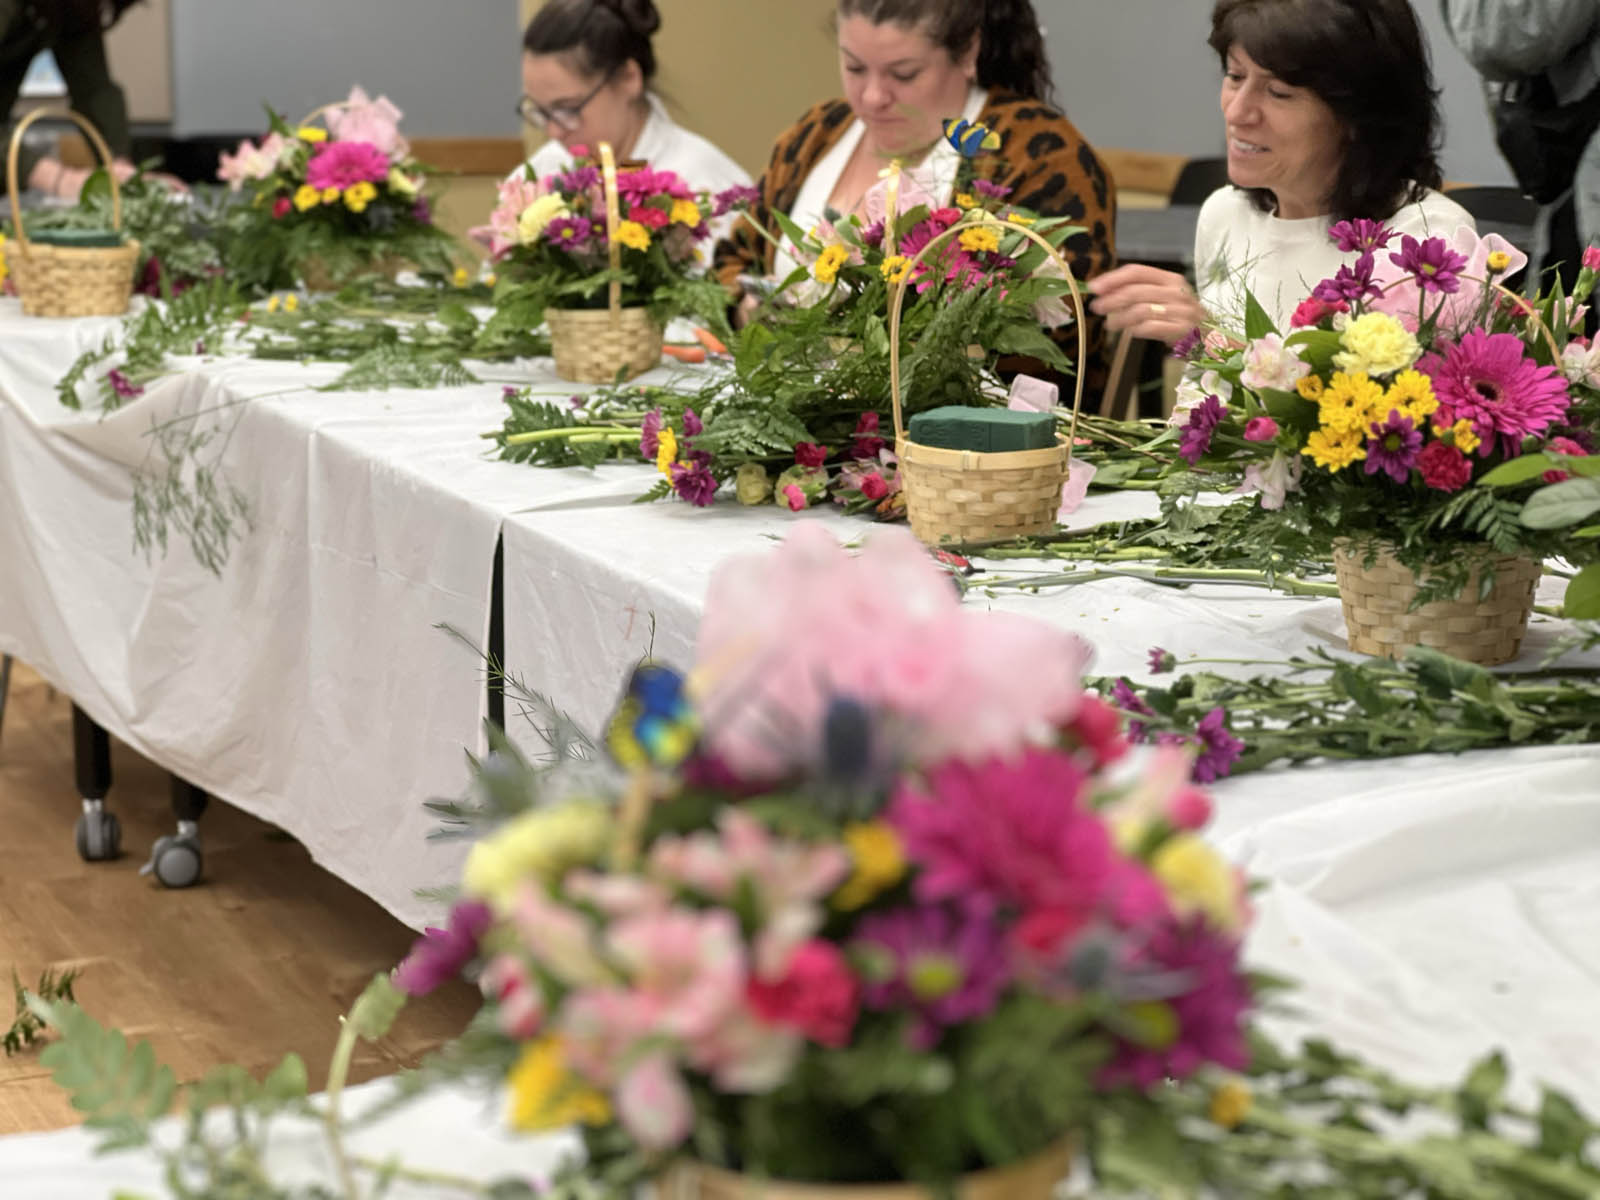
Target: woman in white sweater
(1331,116)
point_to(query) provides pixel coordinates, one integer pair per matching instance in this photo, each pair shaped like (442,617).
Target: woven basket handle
(1533,313)
(897,301)
(321,111)
(608,175)
(13,184)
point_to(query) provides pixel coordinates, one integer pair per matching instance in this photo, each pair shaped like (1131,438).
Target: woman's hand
(125,171)
(748,307)
(1147,302)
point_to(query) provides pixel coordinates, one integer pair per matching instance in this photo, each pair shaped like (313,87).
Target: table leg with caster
(99,833)
(176,860)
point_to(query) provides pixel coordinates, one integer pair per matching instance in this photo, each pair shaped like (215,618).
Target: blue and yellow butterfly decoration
(655,725)
(970,138)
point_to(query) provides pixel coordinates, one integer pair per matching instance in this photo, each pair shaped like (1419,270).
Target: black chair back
(1198,179)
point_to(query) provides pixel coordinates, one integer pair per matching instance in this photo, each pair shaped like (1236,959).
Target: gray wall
(451,65)
(1138,74)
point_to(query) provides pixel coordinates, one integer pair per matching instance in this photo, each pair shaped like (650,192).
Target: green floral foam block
(985,430)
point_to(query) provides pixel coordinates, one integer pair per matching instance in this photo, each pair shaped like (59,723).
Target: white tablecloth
(1433,906)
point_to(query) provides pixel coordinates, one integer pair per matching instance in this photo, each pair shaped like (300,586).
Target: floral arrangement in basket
(868,904)
(327,204)
(801,419)
(602,237)
(1380,426)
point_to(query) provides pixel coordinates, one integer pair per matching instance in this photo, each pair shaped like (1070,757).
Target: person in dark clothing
(74,32)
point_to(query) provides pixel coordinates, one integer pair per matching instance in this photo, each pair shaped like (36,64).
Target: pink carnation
(1562,445)
(818,995)
(344,164)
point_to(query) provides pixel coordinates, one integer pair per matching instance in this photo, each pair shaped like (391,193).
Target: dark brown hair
(81,16)
(1011,52)
(606,34)
(1366,59)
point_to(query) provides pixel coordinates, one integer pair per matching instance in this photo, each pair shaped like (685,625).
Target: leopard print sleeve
(796,152)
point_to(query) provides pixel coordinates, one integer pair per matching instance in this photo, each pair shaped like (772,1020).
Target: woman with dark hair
(1331,115)
(907,66)
(587,67)
(74,32)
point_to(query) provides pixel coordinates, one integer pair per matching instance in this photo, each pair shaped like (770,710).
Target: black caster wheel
(175,861)
(99,834)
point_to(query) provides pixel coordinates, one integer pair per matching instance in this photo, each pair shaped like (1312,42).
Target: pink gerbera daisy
(344,164)
(1488,379)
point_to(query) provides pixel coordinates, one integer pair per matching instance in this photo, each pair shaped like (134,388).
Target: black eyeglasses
(562,116)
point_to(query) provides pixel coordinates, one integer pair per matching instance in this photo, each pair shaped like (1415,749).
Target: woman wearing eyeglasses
(587,66)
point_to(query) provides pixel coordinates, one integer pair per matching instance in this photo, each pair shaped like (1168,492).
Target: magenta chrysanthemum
(569,232)
(1203,421)
(1349,286)
(1432,263)
(1209,998)
(1489,379)
(344,164)
(1393,446)
(438,955)
(1362,235)
(694,484)
(738,196)
(949,967)
(645,184)
(650,434)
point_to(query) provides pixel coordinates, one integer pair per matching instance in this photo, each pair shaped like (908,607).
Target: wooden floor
(261,958)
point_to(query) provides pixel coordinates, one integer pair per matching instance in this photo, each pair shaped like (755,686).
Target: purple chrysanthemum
(1185,346)
(738,196)
(650,435)
(422,211)
(990,191)
(1362,235)
(570,233)
(124,387)
(1219,749)
(579,179)
(948,966)
(1203,421)
(438,955)
(1489,379)
(1432,263)
(694,484)
(1194,969)
(1162,661)
(1392,446)
(872,235)
(1126,699)
(1349,286)
(692,425)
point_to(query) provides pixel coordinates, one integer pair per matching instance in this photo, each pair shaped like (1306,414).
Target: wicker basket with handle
(1484,626)
(963,497)
(68,281)
(595,345)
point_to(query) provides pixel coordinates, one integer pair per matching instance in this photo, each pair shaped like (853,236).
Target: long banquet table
(1433,906)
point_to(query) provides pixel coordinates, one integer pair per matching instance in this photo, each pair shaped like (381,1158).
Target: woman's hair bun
(641,15)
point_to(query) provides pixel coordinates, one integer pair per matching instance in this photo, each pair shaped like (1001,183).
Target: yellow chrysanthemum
(332,195)
(489,279)
(1375,343)
(1412,393)
(826,268)
(685,212)
(1350,402)
(536,218)
(895,267)
(1499,260)
(1017,218)
(5,268)
(966,200)
(546,1095)
(310,133)
(273,301)
(880,863)
(1199,880)
(1334,450)
(291,303)
(1230,1103)
(1464,437)
(633,235)
(539,846)
(666,451)
(460,277)
(307,197)
(358,195)
(979,240)
(402,184)
(1309,387)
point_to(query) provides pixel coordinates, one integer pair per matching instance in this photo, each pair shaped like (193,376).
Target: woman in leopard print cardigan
(907,65)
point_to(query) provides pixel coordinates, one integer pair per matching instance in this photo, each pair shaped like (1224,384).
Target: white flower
(402,184)
(1274,481)
(1581,363)
(1192,391)
(1268,363)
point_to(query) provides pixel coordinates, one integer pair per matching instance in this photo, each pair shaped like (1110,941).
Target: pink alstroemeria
(363,119)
